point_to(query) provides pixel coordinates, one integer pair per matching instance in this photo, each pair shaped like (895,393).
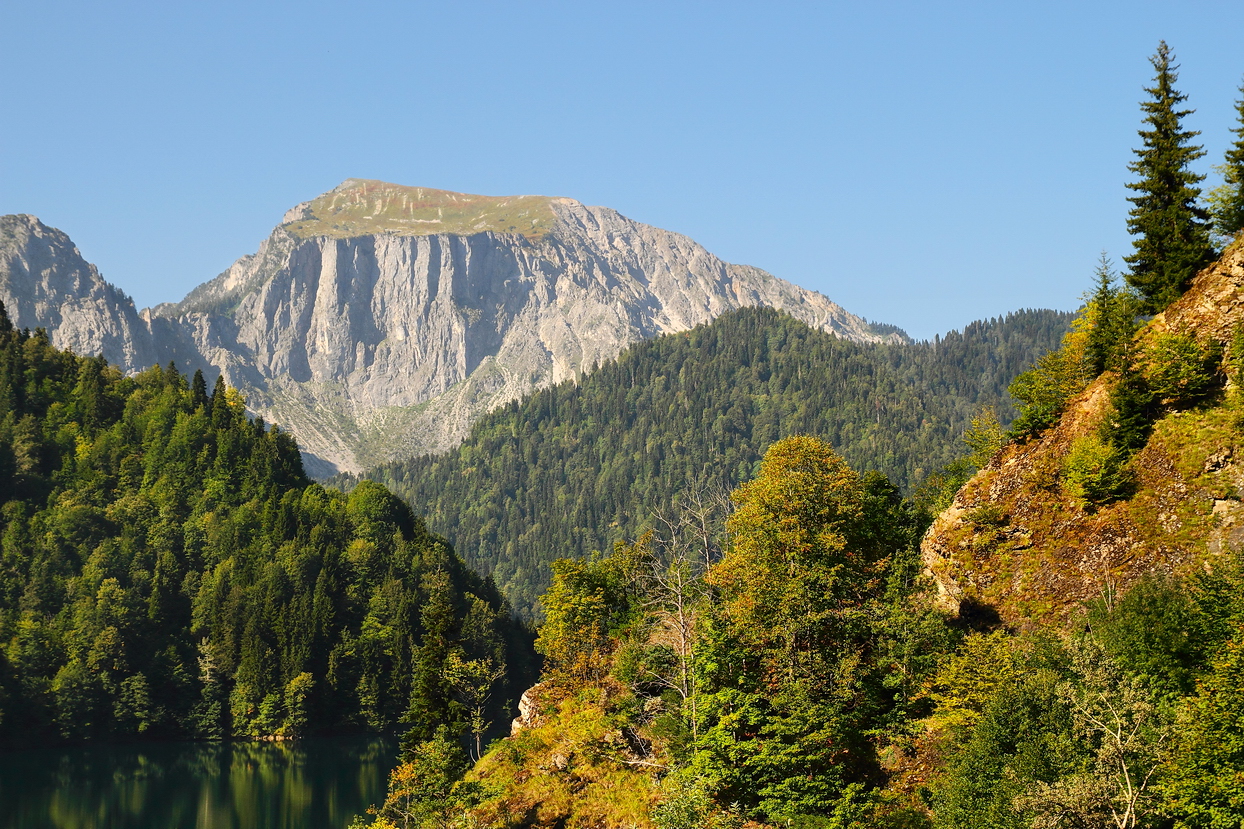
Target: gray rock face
(45,283)
(371,336)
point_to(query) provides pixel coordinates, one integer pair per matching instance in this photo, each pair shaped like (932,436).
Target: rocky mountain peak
(45,283)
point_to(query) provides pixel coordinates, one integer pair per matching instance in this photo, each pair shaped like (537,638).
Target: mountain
(1063,517)
(578,466)
(379,321)
(45,282)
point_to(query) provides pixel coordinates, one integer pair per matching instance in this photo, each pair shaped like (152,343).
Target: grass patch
(361,207)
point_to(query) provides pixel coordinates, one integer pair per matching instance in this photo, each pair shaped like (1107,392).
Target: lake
(310,784)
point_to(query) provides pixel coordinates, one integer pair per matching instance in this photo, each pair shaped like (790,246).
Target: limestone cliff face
(45,282)
(1016,542)
(379,321)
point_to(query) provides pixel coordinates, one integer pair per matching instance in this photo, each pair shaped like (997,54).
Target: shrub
(1042,392)
(1180,370)
(1151,632)
(1093,472)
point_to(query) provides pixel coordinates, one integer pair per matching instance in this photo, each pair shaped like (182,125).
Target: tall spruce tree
(1226,202)
(1172,230)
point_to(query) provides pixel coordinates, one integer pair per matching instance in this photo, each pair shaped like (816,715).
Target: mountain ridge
(378,339)
(698,409)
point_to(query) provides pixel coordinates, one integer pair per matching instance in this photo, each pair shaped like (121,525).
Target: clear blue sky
(923,164)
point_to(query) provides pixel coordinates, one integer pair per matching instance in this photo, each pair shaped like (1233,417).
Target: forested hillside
(576,467)
(781,658)
(1065,649)
(167,569)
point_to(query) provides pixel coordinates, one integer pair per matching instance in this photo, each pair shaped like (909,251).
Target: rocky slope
(45,282)
(1017,542)
(379,321)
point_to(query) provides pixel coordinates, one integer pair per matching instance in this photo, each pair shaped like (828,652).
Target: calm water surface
(305,785)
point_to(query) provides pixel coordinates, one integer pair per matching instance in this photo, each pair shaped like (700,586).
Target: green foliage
(1134,405)
(578,467)
(1205,774)
(764,692)
(1218,595)
(969,678)
(1152,631)
(1180,369)
(1093,472)
(1172,229)
(1042,392)
(794,660)
(984,437)
(425,788)
(1226,202)
(1082,732)
(687,804)
(1168,371)
(166,569)
(1116,719)
(578,606)
(1025,735)
(1112,315)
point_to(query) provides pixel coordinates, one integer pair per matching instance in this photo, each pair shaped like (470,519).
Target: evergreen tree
(1113,320)
(1172,230)
(198,389)
(1227,200)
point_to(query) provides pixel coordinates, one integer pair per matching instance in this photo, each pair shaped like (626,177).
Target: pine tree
(1227,200)
(1172,230)
(198,389)
(1113,316)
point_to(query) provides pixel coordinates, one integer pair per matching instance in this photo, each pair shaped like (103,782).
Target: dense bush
(1093,472)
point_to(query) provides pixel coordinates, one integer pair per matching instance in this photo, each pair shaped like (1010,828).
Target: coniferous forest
(168,570)
(576,467)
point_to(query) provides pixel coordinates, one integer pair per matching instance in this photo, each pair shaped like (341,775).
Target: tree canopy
(580,466)
(166,568)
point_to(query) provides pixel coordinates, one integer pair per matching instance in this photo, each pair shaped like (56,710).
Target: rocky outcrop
(1016,543)
(45,283)
(528,710)
(380,321)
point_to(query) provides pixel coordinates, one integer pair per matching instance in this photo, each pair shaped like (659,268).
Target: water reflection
(304,785)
